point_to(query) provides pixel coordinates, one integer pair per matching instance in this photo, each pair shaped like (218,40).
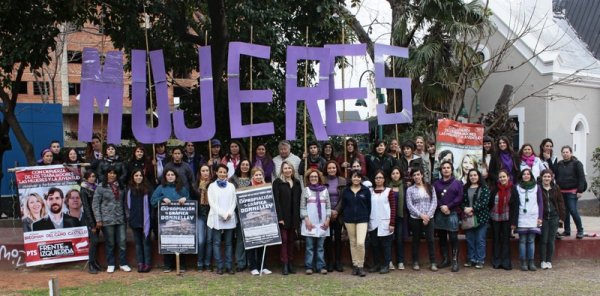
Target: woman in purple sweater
(449,198)
(333,243)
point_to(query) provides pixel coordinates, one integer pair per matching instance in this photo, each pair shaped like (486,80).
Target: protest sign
(177,228)
(52,212)
(461,143)
(258,218)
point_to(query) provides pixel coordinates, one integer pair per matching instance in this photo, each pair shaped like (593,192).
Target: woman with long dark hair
(529,220)
(333,243)
(345,160)
(137,210)
(476,203)
(88,187)
(547,156)
(397,187)
(140,160)
(170,190)
(204,236)
(234,156)
(554,214)
(504,158)
(328,152)
(421,203)
(262,159)
(504,205)
(382,223)
(241,179)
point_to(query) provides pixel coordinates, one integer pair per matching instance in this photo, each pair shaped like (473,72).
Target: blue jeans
(204,243)
(118,234)
(240,250)
(311,243)
(526,246)
(571,204)
(143,246)
(216,236)
(476,239)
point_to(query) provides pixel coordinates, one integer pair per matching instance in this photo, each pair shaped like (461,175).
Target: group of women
(379,199)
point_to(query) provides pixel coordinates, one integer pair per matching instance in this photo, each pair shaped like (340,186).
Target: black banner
(258,218)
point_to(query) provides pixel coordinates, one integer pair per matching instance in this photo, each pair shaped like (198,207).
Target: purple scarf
(146,211)
(258,161)
(507,161)
(317,188)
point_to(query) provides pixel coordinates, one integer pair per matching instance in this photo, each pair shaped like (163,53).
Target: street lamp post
(378,94)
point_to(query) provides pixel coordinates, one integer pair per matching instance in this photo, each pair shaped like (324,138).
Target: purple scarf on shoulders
(507,161)
(317,188)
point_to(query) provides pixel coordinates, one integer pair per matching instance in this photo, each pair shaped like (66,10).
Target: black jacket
(356,207)
(46,224)
(377,162)
(287,203)
(570,175)
(101,167)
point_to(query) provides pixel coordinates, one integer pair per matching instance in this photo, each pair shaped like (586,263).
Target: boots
(524,266)
(140,267)
(532,266)
(284,269)
(455,260)
(291,268)
(445,262)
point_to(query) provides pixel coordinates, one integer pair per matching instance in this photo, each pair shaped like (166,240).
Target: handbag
(470,222)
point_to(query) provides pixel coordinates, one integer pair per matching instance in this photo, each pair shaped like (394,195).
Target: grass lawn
(567,278)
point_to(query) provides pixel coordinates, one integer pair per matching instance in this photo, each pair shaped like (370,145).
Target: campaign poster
(52,214)
(177,228)
(461,143)
(258,218)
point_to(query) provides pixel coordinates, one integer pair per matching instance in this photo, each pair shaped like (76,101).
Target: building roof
(560,52)
(583,17)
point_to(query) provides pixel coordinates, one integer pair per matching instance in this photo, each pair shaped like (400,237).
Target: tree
(28,36)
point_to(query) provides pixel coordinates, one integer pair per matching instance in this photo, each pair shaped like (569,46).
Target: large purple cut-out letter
(141,131)
(402,83)
(207,130)
(103,85)
(333,126)
(237,96)
(310,95)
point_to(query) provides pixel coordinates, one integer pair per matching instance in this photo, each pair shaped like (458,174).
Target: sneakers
(254,272)
(400,266)
(434,267)
(167,269)
(125,268)
(391,267)
(469,264)
(308,271)
(266,271)
(579,235)
(110,269)
(544,265)
(323,271)
(549,265)
(416,266)
(479,265)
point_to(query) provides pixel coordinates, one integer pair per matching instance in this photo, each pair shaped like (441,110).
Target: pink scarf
(528,159)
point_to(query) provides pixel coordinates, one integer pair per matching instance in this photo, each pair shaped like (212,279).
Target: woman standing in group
(488,150)
(139,160)
(554,214)
(88,187)
(421,151)
(109,211)
(333,243)
(328,153)
(356,208)
(262,159)
(221,218)
(530,161)
(47,157)
(204,236)
(504,204)
(255,256)
(394,149)
(110,160)
(240,179)
(421,203)
(170,190)
(529,220)
(352,154)
(138,214)
(286,192)
(476,203)
(72,162)
(571,180)
(315,212)
(547,156)
(397,187)
(379,160)
(382,223)
(233,158)
(449,193)
(504,158)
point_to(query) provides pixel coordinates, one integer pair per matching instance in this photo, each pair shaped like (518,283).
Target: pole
(209,141)
(177,262)
(262,262)
(146,24)
(305,128)
(345,148)
(394,91)
(251,104)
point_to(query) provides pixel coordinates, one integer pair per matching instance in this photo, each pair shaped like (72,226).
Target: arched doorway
(580,130)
